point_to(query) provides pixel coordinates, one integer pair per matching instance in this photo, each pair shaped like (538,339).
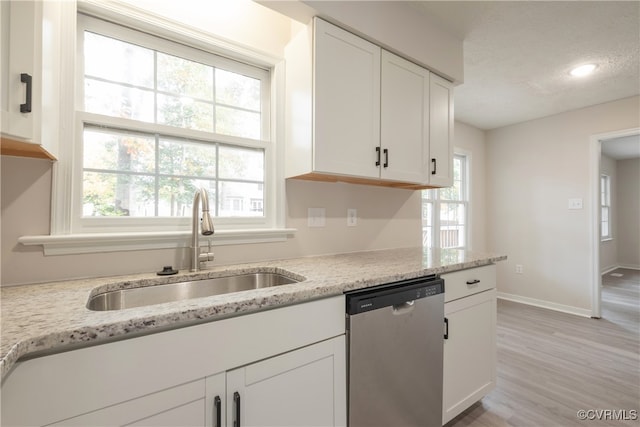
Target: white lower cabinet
(287,368)
(305,387)
(181,405)
(469,369)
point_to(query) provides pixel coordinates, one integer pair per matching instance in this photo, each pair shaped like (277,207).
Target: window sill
(606,239)
(68,244)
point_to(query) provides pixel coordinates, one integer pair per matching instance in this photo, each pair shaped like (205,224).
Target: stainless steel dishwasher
(395,345)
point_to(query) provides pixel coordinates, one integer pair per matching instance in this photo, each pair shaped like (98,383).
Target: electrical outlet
(575,204)
(352,217)
(519,269)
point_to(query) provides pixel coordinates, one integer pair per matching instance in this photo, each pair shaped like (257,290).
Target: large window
(157,120)
(445,211)
(605,207)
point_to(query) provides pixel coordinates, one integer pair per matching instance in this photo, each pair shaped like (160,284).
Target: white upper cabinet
(19,36)
(30,57)
(405,120)
(441,132)
(357,113)
(347,103)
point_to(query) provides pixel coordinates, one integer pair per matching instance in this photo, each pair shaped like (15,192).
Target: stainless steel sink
(149,295)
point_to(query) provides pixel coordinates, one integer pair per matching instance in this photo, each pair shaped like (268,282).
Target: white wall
(387,218)
(374,20)
(628,214)
(609,248)
(243,22)
(533,168)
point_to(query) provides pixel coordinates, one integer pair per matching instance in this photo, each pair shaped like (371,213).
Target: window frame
(605,194)
(80,224)
(436,202)
(63,238)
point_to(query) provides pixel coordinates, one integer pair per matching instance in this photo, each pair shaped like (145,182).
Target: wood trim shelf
(12,147)
(314,176)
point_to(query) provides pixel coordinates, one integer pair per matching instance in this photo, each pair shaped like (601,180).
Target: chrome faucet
(205,227)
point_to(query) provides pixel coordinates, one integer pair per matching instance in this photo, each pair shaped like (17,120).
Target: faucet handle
(207,256)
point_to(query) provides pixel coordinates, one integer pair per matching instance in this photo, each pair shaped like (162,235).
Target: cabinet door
(404,123)
(20,34)
(305,387)
(469,352)
(346,103)
(440,132)
(215,406)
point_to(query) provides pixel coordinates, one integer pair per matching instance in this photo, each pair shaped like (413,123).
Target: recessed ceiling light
(583,70)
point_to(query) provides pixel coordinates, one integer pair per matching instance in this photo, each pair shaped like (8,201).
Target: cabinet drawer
(184,403)
(460,284)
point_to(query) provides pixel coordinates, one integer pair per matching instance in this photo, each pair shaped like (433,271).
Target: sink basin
(158,294)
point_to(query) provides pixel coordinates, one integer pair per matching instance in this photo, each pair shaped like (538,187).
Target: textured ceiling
(517,56)
(626,147)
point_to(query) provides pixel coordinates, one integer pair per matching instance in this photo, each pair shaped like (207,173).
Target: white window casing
(70,232)
(605,208)
(446,211)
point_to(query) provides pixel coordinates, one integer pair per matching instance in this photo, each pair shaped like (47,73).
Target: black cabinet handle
(236,402)
(217,411)
(386,158)
(473,282)
(378,156)
(26,107)
(446,328)
(435,166)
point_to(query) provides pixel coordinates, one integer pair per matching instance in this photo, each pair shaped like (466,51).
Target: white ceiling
(517,55)
(625,147)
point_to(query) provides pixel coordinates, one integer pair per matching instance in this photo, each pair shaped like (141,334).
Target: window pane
(176,195)
(179,157)
(237,90)
(118,101)
(117,61)
(241,199)
(452,223)
(142,169)
(230,121)
(451,193)
(185,78)
(456,191)
(112,194)
(427,224)
(184,112)
(241,164)
(118,151)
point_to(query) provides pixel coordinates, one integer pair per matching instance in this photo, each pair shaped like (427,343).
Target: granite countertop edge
(33,323)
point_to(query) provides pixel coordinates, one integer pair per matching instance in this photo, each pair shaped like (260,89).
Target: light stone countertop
(53,316)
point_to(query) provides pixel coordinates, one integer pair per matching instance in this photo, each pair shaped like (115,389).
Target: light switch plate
(316,217)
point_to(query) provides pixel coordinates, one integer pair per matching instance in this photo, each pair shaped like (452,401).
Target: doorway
(608,149)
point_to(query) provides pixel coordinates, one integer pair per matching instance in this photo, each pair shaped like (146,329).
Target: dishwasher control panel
(395,293)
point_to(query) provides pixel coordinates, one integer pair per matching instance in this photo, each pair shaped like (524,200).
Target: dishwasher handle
(404,308)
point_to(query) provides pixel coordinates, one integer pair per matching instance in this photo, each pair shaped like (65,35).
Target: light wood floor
(551,364)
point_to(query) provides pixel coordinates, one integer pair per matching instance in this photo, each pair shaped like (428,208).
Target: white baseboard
(545,304)
(608,270)
(630,266)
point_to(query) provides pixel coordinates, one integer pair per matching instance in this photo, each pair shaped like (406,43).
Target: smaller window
(605,207)
(445,210)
